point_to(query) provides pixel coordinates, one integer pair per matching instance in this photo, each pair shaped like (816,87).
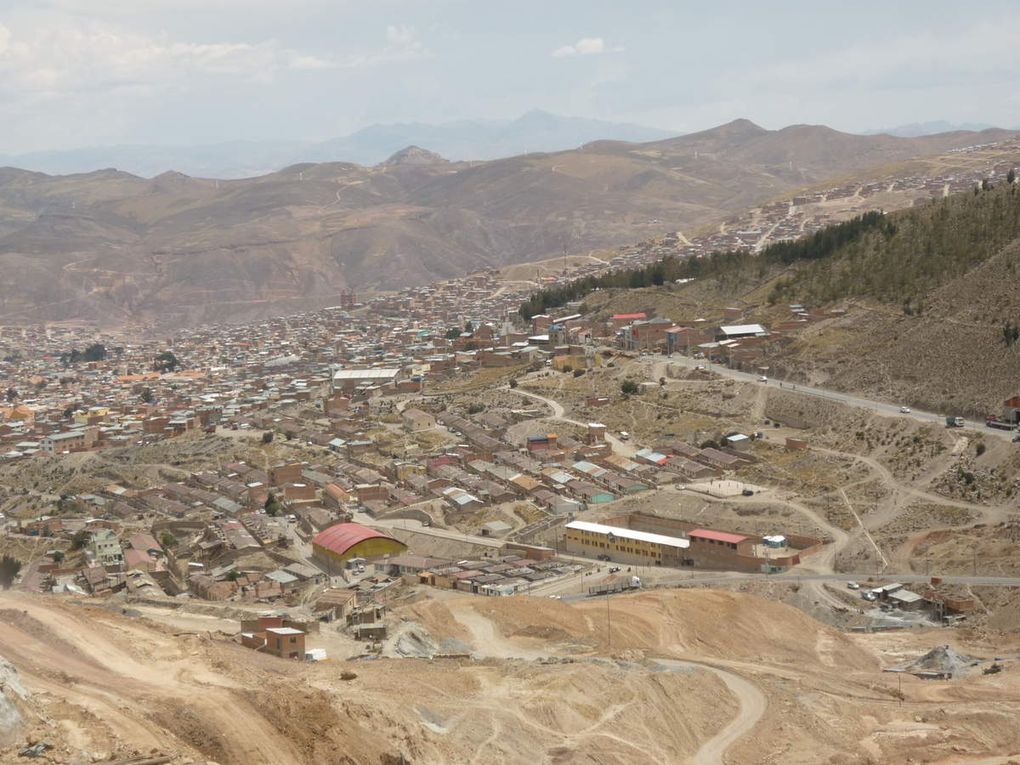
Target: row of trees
(166,361)
(927,247)
(720,264)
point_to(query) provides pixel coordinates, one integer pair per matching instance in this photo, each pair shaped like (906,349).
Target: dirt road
(105,671)
(559,414)
(752,708)
(658,369)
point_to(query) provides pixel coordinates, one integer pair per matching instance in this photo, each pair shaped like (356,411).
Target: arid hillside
(114,247)
(917,307)
(695,676)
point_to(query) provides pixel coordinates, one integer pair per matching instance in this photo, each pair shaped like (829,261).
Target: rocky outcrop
(11,692)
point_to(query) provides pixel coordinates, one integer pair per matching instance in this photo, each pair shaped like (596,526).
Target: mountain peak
(414,155)
(741,125)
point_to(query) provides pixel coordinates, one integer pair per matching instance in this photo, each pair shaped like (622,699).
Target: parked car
(763,379)
(624,435)
(603,556)
(748,492)
(853,586)
(904,410)
(869,596)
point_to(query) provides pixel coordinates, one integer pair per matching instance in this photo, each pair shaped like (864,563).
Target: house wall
(632,551)
(285,646)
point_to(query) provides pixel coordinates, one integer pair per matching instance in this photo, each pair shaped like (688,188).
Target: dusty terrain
(692,676)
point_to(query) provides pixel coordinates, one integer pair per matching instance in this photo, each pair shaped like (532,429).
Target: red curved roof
(344,536)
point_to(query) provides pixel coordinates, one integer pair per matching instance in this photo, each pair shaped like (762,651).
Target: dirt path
(752,702)
(559,414)
(106,671)
(753,705)
(864,529)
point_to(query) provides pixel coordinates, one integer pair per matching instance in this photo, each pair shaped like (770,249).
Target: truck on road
(611,588)
(954,422)
(992,421)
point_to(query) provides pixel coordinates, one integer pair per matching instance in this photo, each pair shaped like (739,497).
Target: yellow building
(623,545)
(339,543)
(92,416)
(576,361)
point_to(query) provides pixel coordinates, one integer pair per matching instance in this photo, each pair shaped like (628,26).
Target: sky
(76,73)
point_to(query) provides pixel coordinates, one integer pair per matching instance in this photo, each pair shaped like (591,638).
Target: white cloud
(74,58)
(586,46)
(402,44)
(926,56)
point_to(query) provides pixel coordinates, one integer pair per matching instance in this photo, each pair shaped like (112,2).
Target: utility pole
(609,625)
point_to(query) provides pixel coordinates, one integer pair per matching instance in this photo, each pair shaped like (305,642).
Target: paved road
(880,407)
(793,577)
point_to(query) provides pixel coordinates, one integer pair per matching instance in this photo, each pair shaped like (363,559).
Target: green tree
(452,333)
(147,396)
(267,437)
(1011,176)
(11,395)
(95,352)
(9,569)
(58,556)
(628,387)
(166,362)
(80,539)
(167,539)
(273,506)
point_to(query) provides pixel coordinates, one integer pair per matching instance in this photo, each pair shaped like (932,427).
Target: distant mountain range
(114,247)
(536,131)
(916,129)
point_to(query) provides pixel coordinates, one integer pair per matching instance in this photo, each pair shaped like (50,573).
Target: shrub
(9,568)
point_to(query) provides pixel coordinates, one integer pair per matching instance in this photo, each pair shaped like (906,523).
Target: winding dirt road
(752,708)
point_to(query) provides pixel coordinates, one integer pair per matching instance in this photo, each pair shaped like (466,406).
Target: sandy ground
(106,685)
(693,676)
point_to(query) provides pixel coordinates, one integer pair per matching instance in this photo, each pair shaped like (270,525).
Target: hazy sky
(89,72)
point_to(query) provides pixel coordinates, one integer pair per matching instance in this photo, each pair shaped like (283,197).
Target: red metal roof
(641,315)
(344,536)
(719,536)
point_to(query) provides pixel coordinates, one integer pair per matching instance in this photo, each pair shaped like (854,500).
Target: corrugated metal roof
(743,329)
(366,374)
(343,536)
(642,536)
(719,536)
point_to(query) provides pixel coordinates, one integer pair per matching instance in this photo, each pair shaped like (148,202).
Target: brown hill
(111,246)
